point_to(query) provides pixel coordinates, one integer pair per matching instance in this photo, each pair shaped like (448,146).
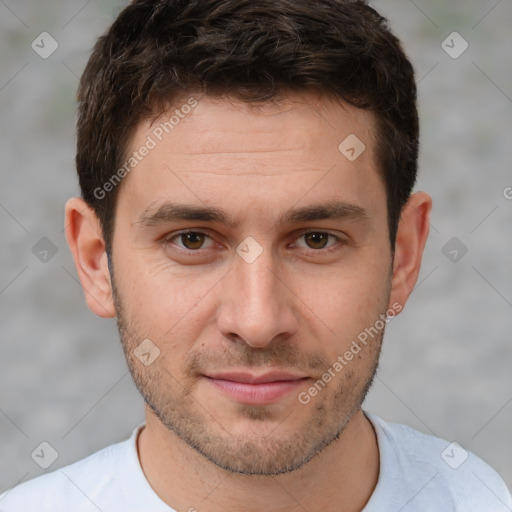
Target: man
(247,215)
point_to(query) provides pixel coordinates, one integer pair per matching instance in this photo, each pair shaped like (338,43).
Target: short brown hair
(253,50)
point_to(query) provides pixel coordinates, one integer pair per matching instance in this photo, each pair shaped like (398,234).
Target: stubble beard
(288,447)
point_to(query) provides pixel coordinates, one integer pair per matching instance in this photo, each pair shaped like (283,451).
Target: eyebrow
(171,212)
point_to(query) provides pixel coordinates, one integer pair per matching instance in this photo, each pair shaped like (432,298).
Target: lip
(248,388)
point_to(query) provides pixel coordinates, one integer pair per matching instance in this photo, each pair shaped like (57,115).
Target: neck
(345,472)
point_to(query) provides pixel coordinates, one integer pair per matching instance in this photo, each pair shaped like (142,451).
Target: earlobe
(412,234)
(85,239)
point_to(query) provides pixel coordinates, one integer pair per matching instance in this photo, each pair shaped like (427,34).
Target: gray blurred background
(446,363)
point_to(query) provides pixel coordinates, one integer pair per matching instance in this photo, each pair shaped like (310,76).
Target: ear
(85,239)
(412,234)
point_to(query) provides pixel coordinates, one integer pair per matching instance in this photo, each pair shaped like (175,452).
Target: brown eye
(316,240)
(321,242)
(192,240)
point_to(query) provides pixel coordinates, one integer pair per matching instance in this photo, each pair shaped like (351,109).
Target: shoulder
(427,469)
(78,486)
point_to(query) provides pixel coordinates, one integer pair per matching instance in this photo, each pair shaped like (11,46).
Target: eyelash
(190,252)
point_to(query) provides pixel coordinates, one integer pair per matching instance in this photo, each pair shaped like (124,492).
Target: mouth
(252,389)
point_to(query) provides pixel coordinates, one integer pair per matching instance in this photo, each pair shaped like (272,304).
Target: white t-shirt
(417,473)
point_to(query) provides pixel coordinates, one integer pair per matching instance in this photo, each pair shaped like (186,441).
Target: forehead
(299,121)
(225,151)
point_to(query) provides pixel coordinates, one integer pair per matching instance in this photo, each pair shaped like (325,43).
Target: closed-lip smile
(256,389)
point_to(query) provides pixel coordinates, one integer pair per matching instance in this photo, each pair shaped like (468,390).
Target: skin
(296,307)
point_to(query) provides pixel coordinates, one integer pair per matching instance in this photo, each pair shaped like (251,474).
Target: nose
(257,303)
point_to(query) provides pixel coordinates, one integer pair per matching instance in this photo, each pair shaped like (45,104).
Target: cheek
(349,302)
(165,305)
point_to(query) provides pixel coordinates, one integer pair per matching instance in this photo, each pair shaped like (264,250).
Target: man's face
(239,304)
